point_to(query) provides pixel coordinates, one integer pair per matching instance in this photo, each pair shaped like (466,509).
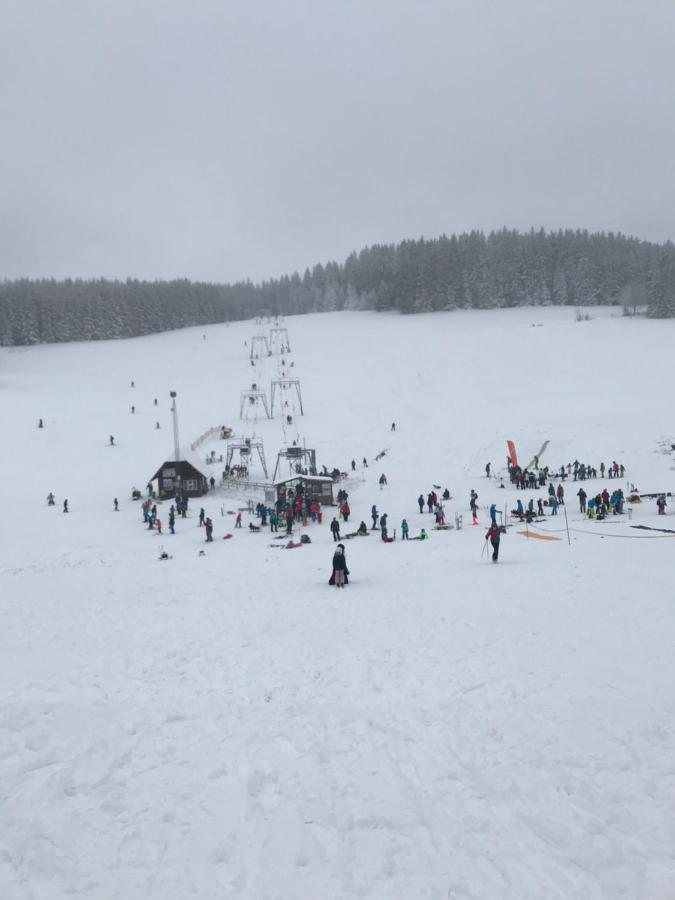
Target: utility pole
(176,443)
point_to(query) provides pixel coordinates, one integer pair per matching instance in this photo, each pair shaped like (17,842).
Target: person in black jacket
(335,529)
(340,571)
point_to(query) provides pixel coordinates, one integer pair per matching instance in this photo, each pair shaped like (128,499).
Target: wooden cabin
(192,482)
(316,487)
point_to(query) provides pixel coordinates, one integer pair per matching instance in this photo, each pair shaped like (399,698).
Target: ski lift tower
(282,335)
(246,448)
(284,384)
(296,456)
(251,398)
(259,341)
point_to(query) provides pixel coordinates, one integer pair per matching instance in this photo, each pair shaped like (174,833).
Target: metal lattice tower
(246,448)
(296,456)
(284,384)
(259,340)
(282,334)
(251,398)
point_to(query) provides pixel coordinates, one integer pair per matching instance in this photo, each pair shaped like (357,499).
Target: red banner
(512,453)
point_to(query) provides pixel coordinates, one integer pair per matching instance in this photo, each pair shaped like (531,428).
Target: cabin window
(168,473)
(190,484)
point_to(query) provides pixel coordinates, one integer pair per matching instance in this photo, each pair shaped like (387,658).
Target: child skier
(404,530)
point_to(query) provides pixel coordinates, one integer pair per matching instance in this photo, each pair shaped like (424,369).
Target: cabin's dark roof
(185,469)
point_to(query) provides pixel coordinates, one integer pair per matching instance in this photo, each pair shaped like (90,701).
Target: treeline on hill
(467,271)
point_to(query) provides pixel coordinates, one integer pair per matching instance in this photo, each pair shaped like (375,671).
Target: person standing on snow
(116,505)
(561,494)
(487,470)
(420,501)
(581,494)
(51,499)
(473,505)
(383,526)
(335,529)
(65,506)
(374,514)
(209,530)
(404,530)
(493,513)
(172,519)
(493,536)
(202,516)
(340,571)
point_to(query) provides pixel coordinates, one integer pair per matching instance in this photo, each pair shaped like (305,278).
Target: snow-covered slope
(228,725)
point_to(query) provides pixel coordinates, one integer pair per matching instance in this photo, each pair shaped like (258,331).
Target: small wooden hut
(181,475)
(316,487)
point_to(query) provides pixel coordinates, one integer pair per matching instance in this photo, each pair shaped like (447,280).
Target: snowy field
(229,726)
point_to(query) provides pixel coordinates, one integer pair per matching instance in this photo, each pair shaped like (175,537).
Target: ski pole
(484,546)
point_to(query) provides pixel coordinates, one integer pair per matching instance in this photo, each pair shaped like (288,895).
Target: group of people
(525,478)
(596,507)
(602,503)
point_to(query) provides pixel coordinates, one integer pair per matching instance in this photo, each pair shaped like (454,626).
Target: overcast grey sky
(224,139)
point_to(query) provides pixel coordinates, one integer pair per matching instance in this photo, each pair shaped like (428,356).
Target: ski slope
(228,726)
